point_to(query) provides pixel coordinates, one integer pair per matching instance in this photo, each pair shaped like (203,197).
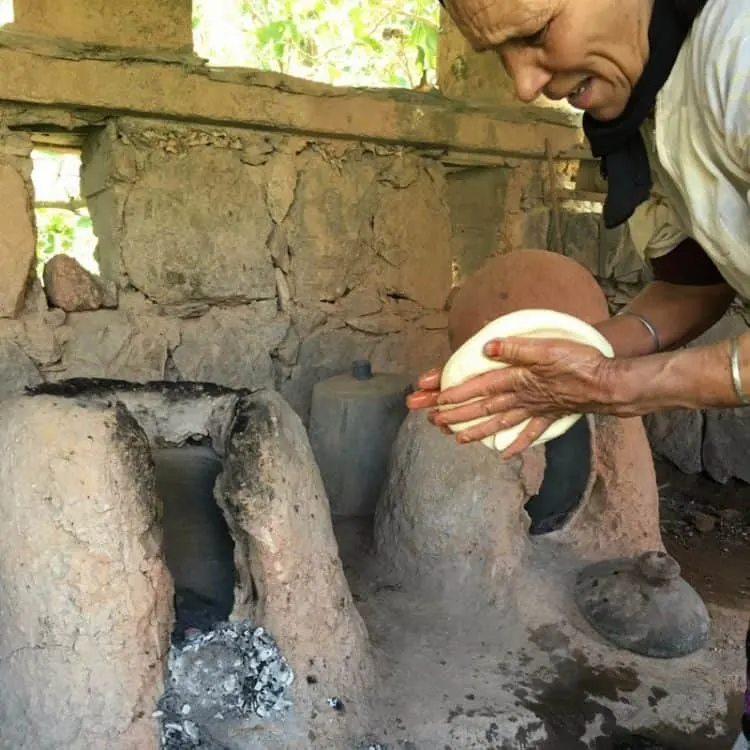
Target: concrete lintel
(157,24)
(46,73)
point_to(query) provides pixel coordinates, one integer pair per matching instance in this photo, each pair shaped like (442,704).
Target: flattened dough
(469,361)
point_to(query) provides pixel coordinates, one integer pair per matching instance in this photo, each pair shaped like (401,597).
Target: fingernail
(463,438)
(491,348)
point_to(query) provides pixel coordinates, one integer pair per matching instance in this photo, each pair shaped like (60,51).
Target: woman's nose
(529,76)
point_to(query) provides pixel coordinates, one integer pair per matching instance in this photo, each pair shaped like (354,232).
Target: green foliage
(63,231)
(62,221)
(343,42)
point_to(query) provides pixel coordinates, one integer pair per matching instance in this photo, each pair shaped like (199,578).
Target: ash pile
(234,671)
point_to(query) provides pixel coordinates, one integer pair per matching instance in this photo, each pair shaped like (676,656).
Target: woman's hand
(545,380)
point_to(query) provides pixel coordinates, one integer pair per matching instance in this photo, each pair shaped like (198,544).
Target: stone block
(327,226)
(359,221)
(726,444)
(537,225)
(85,597)
(16,369)
(231,347)
(476,198)
(70,286)
(39,340)
(580,233)
(175,245)
(179,246)
(145,24)
(412,235)
(17,241)
(113,344)
(678,436)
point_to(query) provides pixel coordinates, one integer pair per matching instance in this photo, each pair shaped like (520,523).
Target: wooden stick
(556,217)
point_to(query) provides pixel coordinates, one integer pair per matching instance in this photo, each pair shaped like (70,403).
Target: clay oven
(105,492)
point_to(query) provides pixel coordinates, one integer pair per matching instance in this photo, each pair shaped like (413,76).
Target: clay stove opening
(566,476)
(188,427)
(198,545)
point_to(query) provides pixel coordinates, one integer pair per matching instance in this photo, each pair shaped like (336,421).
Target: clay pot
(618,513)
(524,279)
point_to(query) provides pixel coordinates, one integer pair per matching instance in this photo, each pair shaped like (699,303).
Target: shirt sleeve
(728,97)
(654,228)
(734,78)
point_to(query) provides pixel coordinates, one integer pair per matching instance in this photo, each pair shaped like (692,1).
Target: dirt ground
(706,528)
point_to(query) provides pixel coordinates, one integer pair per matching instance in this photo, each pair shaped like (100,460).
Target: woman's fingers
(492,383)
(486,407)
(422,400)
(527,352)
(531,433)
(430,380)
(492,425)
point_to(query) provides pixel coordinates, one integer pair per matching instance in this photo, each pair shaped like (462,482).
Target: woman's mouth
(580,97)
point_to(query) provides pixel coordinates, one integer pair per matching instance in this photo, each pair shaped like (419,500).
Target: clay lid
(643,605)
(523,279)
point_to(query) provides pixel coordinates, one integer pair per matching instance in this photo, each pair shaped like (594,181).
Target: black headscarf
(618,143)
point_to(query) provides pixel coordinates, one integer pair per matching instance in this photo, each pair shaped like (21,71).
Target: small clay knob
(362,369)
(658,567)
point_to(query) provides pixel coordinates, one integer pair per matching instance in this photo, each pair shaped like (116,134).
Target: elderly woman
(665,89)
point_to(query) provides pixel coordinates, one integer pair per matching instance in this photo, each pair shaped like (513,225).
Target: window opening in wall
(6,12)
(62,218)
(342,42)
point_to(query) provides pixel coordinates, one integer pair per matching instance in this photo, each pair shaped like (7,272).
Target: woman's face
(590,52)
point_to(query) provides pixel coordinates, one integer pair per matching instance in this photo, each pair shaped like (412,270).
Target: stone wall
(253,230)
(235,257)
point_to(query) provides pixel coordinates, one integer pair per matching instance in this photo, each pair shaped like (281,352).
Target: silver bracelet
(734,359)
(647,325)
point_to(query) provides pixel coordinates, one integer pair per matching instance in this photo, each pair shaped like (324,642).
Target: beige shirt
(699,147)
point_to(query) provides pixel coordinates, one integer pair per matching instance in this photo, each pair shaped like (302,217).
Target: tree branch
(74,205)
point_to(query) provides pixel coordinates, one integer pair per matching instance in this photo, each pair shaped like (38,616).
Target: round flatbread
(468,361)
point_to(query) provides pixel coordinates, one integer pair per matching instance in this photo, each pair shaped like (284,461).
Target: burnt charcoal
(628,741)
(193,612)
(233,671)
(73,387)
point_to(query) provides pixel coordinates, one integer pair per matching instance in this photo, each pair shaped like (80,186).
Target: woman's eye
(536,39)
